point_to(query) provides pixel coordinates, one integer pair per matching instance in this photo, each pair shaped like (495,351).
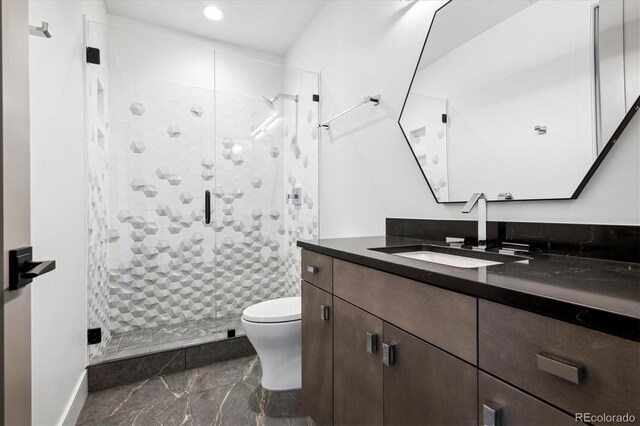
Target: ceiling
(267,25)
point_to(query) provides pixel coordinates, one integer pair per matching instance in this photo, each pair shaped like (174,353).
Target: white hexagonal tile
(137,108)
(174,131)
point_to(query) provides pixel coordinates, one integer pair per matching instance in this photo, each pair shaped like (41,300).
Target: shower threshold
(162,338)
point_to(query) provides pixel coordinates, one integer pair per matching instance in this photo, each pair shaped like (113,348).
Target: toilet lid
(276,310)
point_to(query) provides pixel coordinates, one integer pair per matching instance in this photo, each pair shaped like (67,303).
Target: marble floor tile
(218,374)
(225,393)
(158,392)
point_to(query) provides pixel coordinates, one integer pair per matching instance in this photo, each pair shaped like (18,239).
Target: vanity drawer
(575,368)
(504,405)
(443,318)
(317,269)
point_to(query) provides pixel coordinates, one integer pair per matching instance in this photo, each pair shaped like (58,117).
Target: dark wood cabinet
(317,269)
(504,405)
(317,354)
(357,365)
(381,349)
(574,368)
(446,319)
(424,385)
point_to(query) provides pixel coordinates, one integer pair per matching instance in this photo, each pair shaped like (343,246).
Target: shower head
(271,102)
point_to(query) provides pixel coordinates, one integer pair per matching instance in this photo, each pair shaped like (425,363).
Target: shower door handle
(207,207)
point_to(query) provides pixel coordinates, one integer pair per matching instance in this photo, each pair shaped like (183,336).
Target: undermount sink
(458,257)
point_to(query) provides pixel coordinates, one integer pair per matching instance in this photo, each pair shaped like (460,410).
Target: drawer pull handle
(560,368)
(312,269)
(388,353)
(372,343)
(491,414)
(324,312)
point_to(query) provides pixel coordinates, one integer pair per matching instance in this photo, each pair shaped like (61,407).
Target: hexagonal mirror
(522,99)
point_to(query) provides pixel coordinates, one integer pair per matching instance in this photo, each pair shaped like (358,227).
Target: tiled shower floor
(166,337)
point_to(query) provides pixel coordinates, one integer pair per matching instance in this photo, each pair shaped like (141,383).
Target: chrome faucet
(480,199)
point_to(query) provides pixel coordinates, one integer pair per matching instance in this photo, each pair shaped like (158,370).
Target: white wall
(59,303)
(368,172)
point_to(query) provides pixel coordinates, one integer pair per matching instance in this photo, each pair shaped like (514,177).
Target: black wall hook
(22,268)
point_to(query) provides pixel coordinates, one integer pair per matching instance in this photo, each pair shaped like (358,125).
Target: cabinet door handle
(372,342)
(312,269)
(324,312)
(560,368)
(388,353)
(491,414)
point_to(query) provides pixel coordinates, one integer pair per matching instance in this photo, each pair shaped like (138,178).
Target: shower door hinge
(93,55)
(94,335)
(316,98)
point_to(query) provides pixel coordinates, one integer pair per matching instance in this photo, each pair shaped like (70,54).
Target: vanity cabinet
(383,375)
(357,354)
(317,353)
(424,385)
(504,405)
(574,368)
(394,351)
(317,269)
(443,318)
(384,369)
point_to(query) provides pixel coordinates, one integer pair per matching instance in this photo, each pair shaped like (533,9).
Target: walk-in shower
(166,122)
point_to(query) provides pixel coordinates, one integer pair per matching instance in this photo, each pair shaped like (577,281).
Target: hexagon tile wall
(165,265)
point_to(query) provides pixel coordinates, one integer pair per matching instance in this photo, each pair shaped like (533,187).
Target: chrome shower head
(270,102)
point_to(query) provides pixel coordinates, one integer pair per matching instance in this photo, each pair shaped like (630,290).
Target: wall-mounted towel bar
(42,31)
(375,100)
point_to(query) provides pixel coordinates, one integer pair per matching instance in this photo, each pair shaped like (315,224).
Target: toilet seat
(284,309)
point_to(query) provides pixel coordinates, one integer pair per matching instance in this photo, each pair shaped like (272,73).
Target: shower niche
(167,121)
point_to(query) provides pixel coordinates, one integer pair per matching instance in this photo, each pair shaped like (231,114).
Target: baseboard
(72,411)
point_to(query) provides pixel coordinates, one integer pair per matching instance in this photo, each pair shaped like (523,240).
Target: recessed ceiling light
(213,13)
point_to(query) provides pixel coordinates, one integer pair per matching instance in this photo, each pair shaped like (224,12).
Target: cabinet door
(424,385)
(317,354)
(357,366)
(502,404)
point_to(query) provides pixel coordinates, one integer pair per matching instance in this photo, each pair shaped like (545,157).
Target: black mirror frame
(605,150)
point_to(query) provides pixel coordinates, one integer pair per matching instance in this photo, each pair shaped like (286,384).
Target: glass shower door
(156,134)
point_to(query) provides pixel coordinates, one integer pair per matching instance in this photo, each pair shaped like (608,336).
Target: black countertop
(598,294)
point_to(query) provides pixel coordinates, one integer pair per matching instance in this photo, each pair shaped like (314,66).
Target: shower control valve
(295,196)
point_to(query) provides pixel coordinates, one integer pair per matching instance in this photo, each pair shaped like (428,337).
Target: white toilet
(273,327)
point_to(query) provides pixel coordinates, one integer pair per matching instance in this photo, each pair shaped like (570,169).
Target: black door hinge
(316,98)
(93,55)
(94,335)
(444,118)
